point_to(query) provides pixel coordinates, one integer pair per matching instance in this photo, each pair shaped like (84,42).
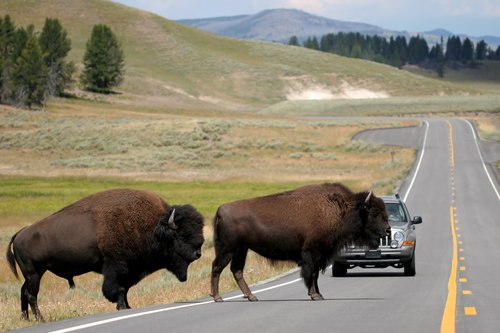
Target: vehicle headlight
(398,236)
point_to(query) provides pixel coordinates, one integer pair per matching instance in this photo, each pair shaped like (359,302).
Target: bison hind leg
(237,265)
(220,262)
(31,294)
(24,302)
(71,283)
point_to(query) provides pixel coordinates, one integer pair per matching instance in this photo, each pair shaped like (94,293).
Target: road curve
(450,188)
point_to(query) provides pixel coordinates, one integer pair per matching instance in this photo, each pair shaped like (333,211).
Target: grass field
(422,105)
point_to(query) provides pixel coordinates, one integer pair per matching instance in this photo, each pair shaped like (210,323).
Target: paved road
(460,207)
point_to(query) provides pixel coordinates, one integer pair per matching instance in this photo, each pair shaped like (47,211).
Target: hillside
(178,67)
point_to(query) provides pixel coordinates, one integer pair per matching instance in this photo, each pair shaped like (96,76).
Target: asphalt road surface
(455,288)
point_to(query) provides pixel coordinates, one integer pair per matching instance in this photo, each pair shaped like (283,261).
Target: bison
(124,234)
(307,225)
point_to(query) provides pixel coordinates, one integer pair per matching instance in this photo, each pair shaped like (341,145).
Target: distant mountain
(280,24)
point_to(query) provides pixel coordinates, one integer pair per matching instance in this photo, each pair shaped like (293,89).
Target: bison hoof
(251,298)
(218,299)
(317,297)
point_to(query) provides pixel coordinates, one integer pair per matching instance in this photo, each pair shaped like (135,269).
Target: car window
(395,212)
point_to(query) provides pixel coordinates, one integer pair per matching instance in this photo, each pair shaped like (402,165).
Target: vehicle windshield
(396,213)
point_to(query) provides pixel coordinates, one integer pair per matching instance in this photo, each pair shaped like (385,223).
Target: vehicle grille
(384,242)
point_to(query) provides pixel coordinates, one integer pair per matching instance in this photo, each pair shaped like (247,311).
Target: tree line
(397,51)
(34,65)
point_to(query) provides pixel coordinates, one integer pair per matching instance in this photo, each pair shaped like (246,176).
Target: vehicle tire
(410,269)
(338,269)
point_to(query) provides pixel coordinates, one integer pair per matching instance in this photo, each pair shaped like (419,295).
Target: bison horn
(171,222)
(368,197)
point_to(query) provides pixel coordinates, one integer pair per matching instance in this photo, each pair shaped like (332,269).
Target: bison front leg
(237,265)
(122,302)
(113,290)
(310,274)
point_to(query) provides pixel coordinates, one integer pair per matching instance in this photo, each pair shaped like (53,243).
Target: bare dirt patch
(299,91)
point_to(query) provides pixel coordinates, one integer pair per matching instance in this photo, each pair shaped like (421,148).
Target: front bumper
(381,257)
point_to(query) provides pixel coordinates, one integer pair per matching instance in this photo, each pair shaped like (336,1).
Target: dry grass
(169,146)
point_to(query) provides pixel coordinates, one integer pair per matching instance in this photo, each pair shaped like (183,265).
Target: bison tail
(11,259)
(216,222)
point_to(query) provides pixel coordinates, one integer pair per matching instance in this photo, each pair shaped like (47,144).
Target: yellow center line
(448,320)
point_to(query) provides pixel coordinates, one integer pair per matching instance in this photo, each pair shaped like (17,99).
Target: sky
(472,17)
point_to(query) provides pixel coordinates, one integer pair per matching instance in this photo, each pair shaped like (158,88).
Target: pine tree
(293,41)
(481,49)
(55,46)
(30,74)
(467,51)
(7,57)
(103,61)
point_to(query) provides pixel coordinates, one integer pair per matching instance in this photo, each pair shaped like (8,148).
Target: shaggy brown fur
(306,225)
(122,233)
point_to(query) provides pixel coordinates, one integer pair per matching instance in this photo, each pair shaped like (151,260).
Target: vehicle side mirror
(416,220)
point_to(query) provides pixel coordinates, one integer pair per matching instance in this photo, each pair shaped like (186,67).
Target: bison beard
(306,225)
(123,234)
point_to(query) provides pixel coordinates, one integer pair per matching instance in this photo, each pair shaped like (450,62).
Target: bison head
(180,236)
(368,221)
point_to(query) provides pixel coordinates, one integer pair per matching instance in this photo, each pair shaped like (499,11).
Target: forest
(397,51)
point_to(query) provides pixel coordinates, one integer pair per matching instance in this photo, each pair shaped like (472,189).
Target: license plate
(373,254)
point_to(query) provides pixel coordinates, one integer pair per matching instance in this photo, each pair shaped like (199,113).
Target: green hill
(180,67)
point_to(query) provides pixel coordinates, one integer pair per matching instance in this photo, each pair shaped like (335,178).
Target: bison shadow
(371,274)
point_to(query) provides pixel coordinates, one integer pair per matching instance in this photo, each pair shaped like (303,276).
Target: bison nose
(388,231)
(198,254)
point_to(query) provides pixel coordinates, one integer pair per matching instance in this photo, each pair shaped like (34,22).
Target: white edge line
(482,160)
(140,314)
(419,161)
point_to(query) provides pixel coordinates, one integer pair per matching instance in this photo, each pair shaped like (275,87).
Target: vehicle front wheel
(338,269)
(410,269)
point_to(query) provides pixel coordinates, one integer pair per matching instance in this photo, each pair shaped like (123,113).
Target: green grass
(30,196)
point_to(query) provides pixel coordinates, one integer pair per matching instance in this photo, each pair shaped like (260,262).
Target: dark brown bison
(123,234)
(307,225)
